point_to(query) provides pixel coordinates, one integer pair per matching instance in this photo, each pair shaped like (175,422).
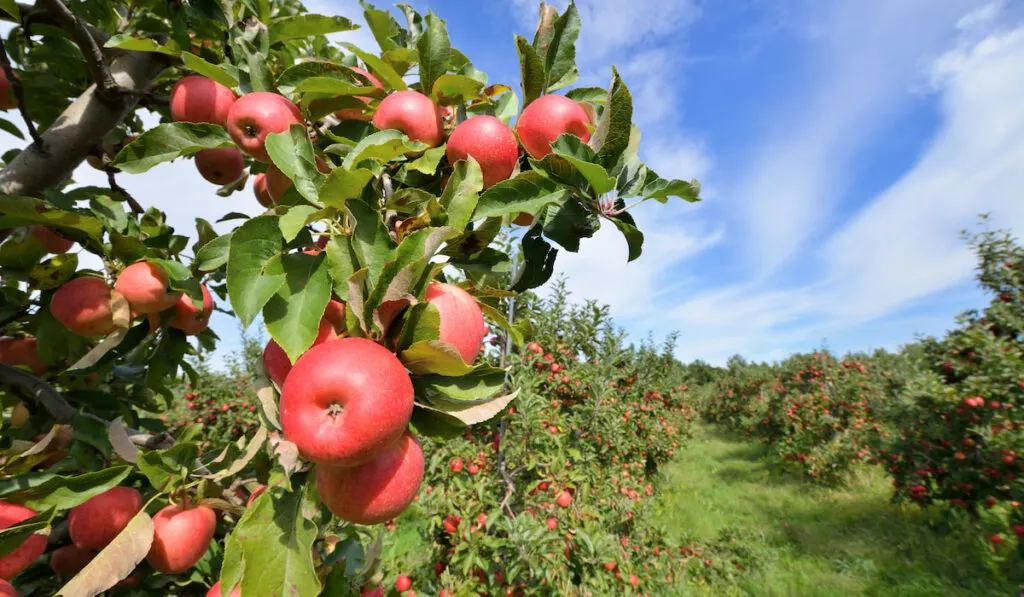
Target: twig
(95,61)
(19,96)
(111,172)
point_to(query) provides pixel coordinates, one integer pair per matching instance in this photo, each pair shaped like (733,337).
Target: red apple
(220,166)
(255,115)
(414,114)
(259,187)
(188,318)
(83,306)
(69,560)
(490,142)
(275,359)
(21,352)
(146,287)
(7,99)
(335,314)
(198,99)
(215,591)
(356,113)
(278,183)
(552,523)
(548,117)
(94,523)
(6,590)
(403,583)
(30,549)
(462,322)
(564,499)
(378,490)
(346,401)
(53,242)
(180,537)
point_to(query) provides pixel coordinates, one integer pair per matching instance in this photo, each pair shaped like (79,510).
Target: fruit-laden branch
(26,385)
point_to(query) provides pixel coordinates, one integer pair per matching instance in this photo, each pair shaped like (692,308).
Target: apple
(21,352)
(69,560)
(255,115)
(215,591)
(548,117)
(346,401)
(220,166)
(53,242)
(372,592)
(83,306)
(20,415)
(96,522)
(403,583)
(462,322)
(198,99)
(7,99)
(356,113)
(414,114)
(180,537)
(524,219)
(552,523)
(278,183)
(490,142)
(190,319)
(28,551)
(378,490)
(335,314)
(259,187)
(275,359)
(564,499)
(6,590)
(146,287)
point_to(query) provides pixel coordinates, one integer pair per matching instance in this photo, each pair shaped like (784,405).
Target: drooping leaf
(482,383)
(434,357)
(306,25)
(569,222)
(126,41)
(343,184)
(611,138)
(531,69)
(450,90)
(169,141)
(461,195)
(581,157)
(293,314)
(538,261)
(371,242)
(66,492)
(13,536)
(115,562)
(341,263)
(434,50)
(208,70)
(382,146)
(529,192)
(560,57)
(383,70)
(293,154)
(254,272)
(634,238)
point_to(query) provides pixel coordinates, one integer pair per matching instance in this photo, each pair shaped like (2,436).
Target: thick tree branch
(19,95)
(95,61)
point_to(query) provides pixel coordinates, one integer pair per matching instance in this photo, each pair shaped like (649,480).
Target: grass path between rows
(804,541)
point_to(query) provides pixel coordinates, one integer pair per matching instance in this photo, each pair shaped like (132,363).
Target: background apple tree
(395,183)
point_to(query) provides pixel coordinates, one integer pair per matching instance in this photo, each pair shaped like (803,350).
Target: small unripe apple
(356,113)
(547,118)
(180,537)
(275,359)
(188,318)
(83,306)
(30,549)
(346,401)
(20,415)
(94,523)
(278,183)
(490,142)
(378,490)
(146,287)
(7,99)
(69,560)
(216,592)
(255,115)
(21,352)
(198,99)
(220,166)
(53,242)
(462,322)
(414,114)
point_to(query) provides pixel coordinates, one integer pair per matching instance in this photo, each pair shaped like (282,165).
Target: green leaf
(125,41)
(531,69)
(294,220)
(423,323)
(293,314)
(634,238)
(334,86)
(371,242)
(499,318)
(273,544)
(28,211)
(427,163)
(209,70)
(63,493)
(11,8)
(293,76)
(560,56)
(461,195)
(435,423)
(306,25)
(450,90)
(594,95)
(538,261)
(529,192)
(383,70)
(342,185)
(661,189)
(480,384)
(506,107)
(386,30)
(612,136)
(341,264)
(259,76)
(569,222)
(382,146)
(471,413)
(254,271)
(13,536)
(582,157)
(292,153)
(434,357)
(163,466)
(434,50)
(204,232)
(213,254)
(169,141)
(10,127)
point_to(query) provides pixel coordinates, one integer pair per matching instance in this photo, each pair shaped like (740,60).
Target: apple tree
(390,181)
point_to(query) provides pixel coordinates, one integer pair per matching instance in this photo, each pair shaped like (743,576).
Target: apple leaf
(500,319)
(115,562)
(532,70)
(28,211)
(434,357)
(128,42)
(383,70)
(435,423)
(163,466)
(581,157)
(213,254)
(529,192)
(538,261)
(560,54)
(254,272)
(63,492)
(434,50)
(461,195)
(295,219)
(386,30)
(661,189)
(238,464)
(293,314)
(451,90)
(634,238)
(427,163)
(341,264)
(613,132)
(342,184)
(479,385)
(209,70)
(11,8)
(422,323)
(294,75)
(467,413)
(371,242)
(304,26)
(569,222)
(335,86)
(382,146)
(293,154)
(169,141)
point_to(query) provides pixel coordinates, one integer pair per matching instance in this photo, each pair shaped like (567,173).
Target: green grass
(806,541)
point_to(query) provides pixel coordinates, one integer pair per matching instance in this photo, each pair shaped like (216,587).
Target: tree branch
(19,95)
(112,181)
(95,61)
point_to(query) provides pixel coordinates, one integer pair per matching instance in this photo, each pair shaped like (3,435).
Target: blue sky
(842,146)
